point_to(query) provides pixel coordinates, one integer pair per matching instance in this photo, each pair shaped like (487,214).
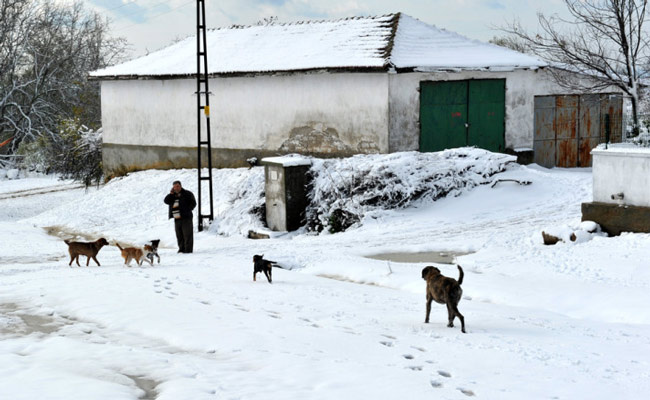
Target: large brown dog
(444,290)
(89,250)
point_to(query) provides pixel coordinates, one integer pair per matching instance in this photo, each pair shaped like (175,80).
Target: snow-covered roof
(393,41)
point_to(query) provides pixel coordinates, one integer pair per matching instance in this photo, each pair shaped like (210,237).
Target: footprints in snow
(442,376)
(435,383)
(164,286)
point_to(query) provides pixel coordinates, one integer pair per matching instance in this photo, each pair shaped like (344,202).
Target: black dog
(152,250)
(262,265)
(444,290)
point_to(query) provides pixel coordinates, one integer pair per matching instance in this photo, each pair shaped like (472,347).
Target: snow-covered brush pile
(344,190)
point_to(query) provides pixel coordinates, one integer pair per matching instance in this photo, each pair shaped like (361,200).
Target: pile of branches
(343,191)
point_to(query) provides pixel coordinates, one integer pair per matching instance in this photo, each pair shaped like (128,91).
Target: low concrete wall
(621,191)
(621,176)
(615,219)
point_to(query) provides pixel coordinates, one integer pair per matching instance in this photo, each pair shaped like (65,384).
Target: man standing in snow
(181,203)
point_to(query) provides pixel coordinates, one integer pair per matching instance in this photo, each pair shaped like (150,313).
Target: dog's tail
(118,246)
(460,277)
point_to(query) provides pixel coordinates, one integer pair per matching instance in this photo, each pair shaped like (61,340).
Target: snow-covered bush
(344,190)
(76,153)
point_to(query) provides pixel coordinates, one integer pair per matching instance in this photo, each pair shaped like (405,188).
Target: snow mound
(345,190)
(131,208)
(574,233)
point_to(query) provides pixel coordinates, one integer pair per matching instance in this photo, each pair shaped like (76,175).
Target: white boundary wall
(622,169)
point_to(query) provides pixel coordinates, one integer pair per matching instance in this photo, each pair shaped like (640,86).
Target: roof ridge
(307,21)
(388,50)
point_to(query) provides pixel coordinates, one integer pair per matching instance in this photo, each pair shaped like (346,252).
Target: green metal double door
(462,113)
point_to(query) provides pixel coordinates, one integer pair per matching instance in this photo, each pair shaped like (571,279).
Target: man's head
(177,186)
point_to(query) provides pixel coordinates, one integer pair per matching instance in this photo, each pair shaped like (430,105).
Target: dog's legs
(254,273)
(429,300)
(453,312)
(268,275)
(71,260)
(450,315)
(76,258)
(98,264)
(460,317)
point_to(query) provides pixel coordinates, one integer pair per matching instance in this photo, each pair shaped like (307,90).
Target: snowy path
(565,322)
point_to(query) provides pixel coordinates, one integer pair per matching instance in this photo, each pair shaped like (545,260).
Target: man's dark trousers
(184,234)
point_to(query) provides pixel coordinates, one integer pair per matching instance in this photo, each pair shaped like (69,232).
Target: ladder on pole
(203,109)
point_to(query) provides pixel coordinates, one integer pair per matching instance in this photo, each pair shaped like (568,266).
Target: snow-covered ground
(569,321)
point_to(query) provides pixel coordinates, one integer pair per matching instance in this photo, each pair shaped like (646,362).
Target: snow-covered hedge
(344,190)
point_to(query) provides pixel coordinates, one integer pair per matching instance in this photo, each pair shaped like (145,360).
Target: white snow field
(569,321)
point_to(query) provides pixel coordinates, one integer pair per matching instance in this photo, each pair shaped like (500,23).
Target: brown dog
(444,290)
(133,253)
(89,250)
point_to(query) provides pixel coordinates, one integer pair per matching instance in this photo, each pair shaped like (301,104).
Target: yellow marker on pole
(206,110)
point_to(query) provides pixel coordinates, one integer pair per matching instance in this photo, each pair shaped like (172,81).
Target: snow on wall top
(383,42)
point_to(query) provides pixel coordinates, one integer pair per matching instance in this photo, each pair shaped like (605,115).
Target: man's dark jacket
(186,204)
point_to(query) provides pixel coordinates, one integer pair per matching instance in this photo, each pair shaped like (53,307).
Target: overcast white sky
(152,24)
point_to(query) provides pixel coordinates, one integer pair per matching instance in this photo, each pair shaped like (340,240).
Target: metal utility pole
(203,108)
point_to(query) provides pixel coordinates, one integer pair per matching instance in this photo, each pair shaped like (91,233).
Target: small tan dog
(444,290)
(133,253)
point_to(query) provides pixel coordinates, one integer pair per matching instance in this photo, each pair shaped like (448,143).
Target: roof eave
(383,68)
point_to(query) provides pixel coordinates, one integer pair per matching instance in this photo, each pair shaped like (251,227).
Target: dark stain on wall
(314,139)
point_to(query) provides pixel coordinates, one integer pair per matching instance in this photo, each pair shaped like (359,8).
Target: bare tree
(512,43)
(46,52)
(605,42)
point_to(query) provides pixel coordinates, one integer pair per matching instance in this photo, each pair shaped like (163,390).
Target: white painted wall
(248,112)
(259,112)
(149,112)
(521,88)
(622,170)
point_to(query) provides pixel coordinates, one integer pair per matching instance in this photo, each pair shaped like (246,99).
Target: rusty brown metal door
(611,110)
(556,131)
(589,128)
(544,144)
(566,131)
(568,127)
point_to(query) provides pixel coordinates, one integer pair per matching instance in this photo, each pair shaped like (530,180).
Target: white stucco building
(327,88)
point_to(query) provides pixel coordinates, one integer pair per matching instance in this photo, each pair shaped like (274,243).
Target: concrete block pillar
(286,180)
